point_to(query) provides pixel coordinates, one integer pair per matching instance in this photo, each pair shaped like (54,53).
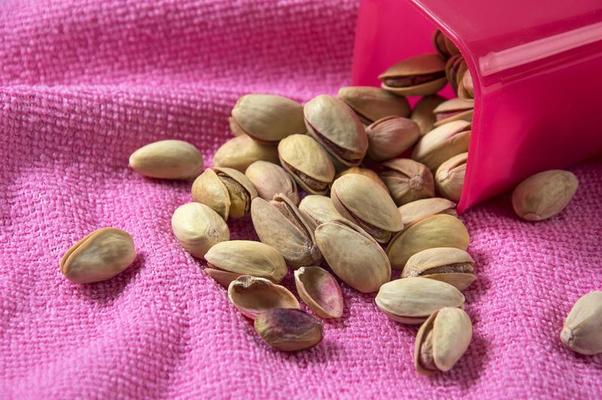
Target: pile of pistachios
(342,189)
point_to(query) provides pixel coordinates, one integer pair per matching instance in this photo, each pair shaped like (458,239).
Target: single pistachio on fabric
(320,291)
(416,76)
(270,179)
(99,256)
(267,118)
(336,127)
(582,331)
(222,277)
(287,329)
(442,143)
(413,300)
(407,180)
(442,340)
(453,66)
(444,45)
(246,257)
(253,296)
(365,203)
(423,113)
(241,151)
(544,195)
(437,231)
(390,136)
(319,208)
(198,227)
(167,159)
(424,208)
(447,264)
(466,86)
(371,103)
(450,177)
(307,162)
(363,171)
(455,109)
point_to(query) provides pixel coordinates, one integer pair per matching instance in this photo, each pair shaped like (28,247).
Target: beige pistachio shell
(240,152)
(390,136)
(99,256)
(423,114)
(416,76)
(319,208)
(252,296)
(222,277)
(437,231)
(320,291)
(447,264)
(198,227)
(423,208)
(363,171)
(270,179)
(455,109)
(582,331)
(288,329)
(454,67)
(167,159)
(466,86)
(371,103)
(442,143)
(407,180)
(450,177)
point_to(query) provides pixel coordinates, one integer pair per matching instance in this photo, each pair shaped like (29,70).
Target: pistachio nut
(417,76)
(353,255)
(582,331)
(447,264)
(455,109)
(336,127)
(267,118)
(437,231)
(246,257)
(319,208)
(364,202)
(320,291)
(99,256)
(454,67)
(466,86)
(423,113)
(222,277)
(363,171)
(280,224)
(253,296)
(308,163)
(442,143)
(390,136)
(413,300)
(197,227)
(240,152)
(287,329)
(371,103)
(544,195)
(407,180)
(270,179)
(450,177)
(167,159)
(444,45)
(442,340)
(423,208)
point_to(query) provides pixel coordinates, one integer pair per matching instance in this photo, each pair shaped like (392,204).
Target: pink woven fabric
(84,83)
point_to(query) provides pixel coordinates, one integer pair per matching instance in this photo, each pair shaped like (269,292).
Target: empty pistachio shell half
(246,257)
(407,180)
(287,329)
(197,227)
(252,296)
(167,159)
(353,255)
(421,209)
(436,231)
(423,113)
(413,300)
(99,256)
(319,208)
(416,76)
(270,179)
(442,143)
(450,177)
(363,171)
(336,127)
(320,291)
(447,264)
(582,331)
(267,118)
(308,163)
(240,152)
(390,136)
(442,340)
(222,277)
(371,103)
(544,195)
(455,109)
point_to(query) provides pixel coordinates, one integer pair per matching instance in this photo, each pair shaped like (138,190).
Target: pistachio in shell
(198,227)
(241,151)
(391,136)
(466,86)
(444,45)
(423,114)
(319,208)
(371,103)
(363,171)
(167,159)
(454,67)
(288,329)
(416,76)
(420,209)
(320,291)
(582,330)
(447,264)
(253,295)
(442,143)
(407,180)
(450,177)
(455,109)
(270,179)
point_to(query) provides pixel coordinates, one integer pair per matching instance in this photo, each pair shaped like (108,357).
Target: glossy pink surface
(537,72)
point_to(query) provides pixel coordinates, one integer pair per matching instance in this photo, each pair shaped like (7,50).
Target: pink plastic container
(537,71)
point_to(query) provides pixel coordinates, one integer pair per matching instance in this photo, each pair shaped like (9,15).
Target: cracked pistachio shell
(371,103)
(241,151)
(413,300)
(582,331)
(198,227)
(416,76)
(319,208)
(246,257)
(544,195)
(253,295)
(287,329)
(363,171)
(450,177)
(270,179)
(442,143)
(424,208)
(353,255)
(466,86)
(407,180)
(442,340)
(336,127)
(437,231)
(364,202)
(167,159)
(390,136)
(447,264)
(267,118)
(226,190)
(423,113)
(455,109)
(454,67)
(320,291)
(280,224)
(99,256)
(222,277)
(308,163)
(444,45)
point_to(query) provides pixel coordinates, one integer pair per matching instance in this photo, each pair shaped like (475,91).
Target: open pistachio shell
(288,329)
(390,136)
(252,296)
(167,159)
(319,208)
(416,76)
(363,171)
(198,227)
(222,277)
(270,179)
(455,109)
(447,264)
(423,112)
(240,152)
(320,291)
(442,143)
(450,177)
(407,180)
(424,208)
(371,103)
